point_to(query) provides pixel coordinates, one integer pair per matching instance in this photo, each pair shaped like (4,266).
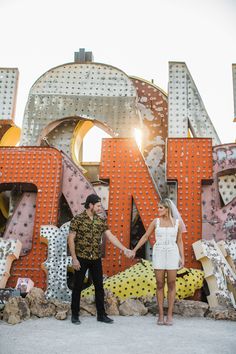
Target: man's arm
(114,240)
(71,243)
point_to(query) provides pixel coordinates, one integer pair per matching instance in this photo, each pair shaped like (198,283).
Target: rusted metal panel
(60,137)
(227,187)
(186,107)
(153,107)
(87,90)
(234,88)
(20,226)
(57,261)
(219,219)
(75,186)
(8,92)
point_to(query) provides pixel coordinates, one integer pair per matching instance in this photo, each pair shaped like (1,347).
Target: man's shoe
(105,319)
(75,320)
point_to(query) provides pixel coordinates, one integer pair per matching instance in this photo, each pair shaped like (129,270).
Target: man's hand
(76,264)
(129,253)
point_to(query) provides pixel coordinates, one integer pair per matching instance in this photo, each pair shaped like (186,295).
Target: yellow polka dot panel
(139,281)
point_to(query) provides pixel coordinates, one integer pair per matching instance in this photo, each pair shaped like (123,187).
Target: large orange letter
(43,168)
(189,162)
(123,164)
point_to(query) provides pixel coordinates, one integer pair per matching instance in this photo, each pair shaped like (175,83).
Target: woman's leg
(160,280)
(171,281)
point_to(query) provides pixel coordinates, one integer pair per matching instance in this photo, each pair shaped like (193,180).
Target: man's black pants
(95,268)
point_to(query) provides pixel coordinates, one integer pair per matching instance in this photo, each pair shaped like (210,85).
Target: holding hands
(129,253)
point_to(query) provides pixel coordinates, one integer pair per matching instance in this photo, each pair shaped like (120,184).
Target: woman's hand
(181,263)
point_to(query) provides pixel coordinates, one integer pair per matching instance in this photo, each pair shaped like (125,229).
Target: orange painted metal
(43,168)
(123,165)
(189,162)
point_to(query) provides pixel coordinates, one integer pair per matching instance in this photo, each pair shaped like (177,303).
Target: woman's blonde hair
(166,204)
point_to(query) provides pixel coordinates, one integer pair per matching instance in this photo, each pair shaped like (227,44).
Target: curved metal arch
(86,90)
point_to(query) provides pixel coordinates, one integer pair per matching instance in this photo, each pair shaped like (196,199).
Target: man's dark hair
(93,199)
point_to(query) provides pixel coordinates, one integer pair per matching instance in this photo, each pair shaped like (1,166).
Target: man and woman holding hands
(86,231)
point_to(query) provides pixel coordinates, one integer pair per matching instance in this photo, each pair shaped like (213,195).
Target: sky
(139,37)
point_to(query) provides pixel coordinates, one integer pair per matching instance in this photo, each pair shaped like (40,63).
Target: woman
(168,255)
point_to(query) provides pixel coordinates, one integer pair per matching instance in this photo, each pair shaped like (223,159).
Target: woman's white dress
(165,250)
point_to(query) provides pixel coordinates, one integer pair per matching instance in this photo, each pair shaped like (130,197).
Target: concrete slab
(131,335)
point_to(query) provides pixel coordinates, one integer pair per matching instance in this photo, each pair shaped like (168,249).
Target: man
(86,230)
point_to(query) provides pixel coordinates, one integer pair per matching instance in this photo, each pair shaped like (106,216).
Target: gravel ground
(137,335)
